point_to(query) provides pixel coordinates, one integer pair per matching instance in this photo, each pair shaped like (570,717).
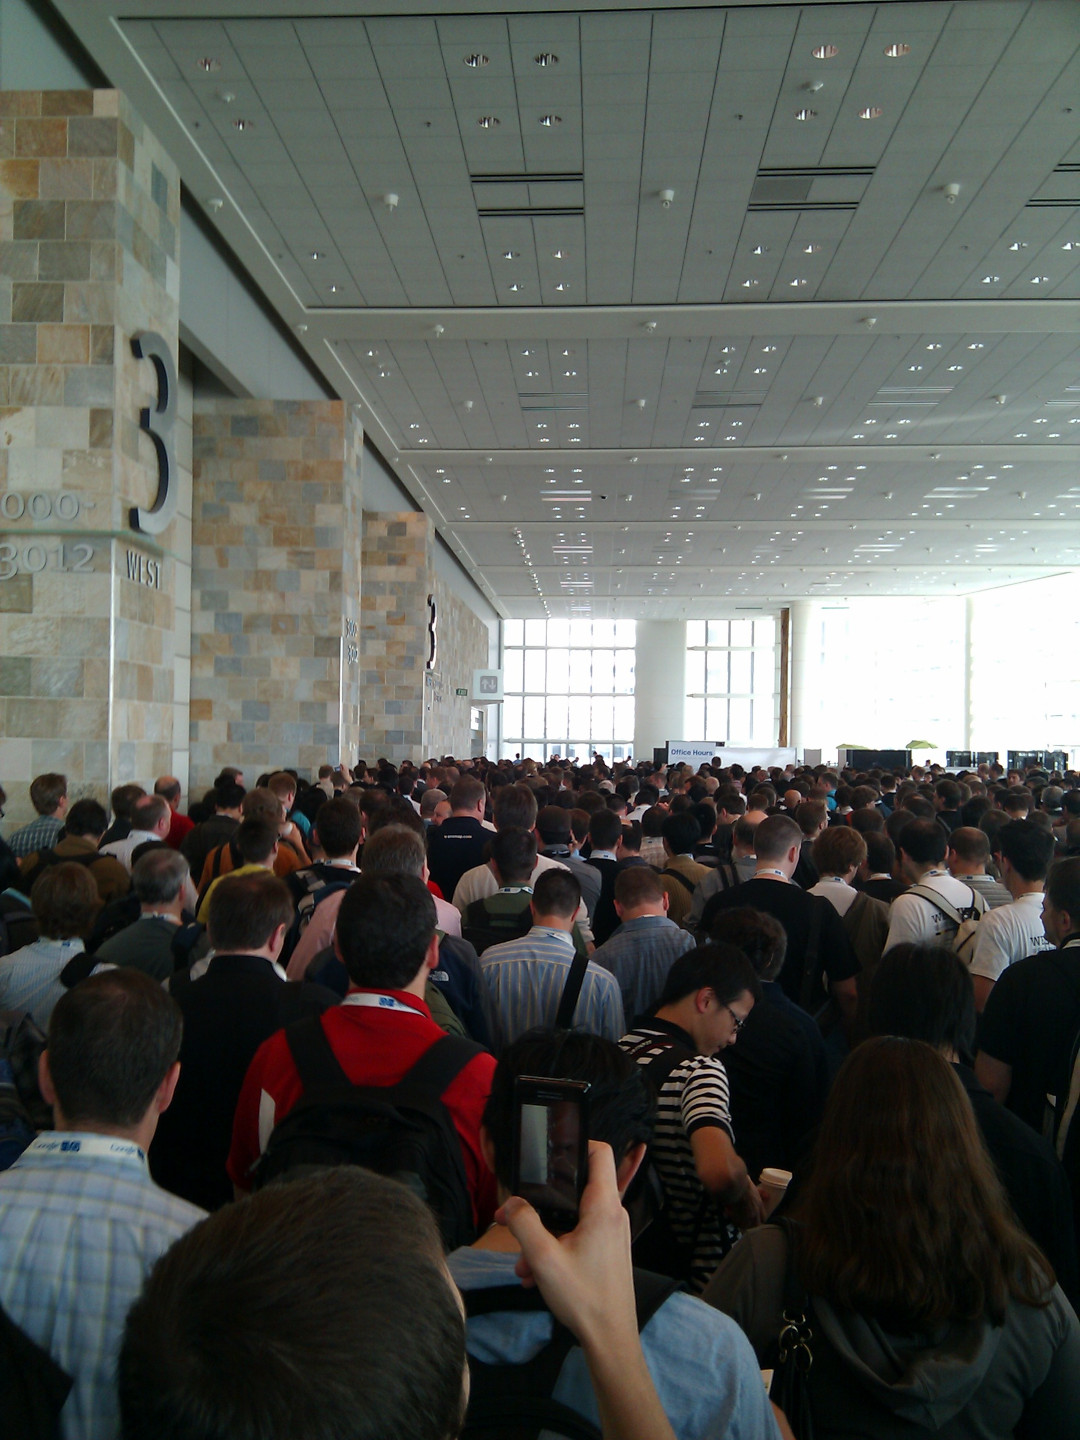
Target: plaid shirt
(40,834)
(78,1232)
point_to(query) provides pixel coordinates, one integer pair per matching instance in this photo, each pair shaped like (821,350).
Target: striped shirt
(639,954)
(30,977)
(693,1096)
(524,981)
(40,834)
(78,1232)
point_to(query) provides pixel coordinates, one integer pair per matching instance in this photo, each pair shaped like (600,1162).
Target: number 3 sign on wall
(158,423)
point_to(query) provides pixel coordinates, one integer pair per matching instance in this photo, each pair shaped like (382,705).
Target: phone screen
(551,1150)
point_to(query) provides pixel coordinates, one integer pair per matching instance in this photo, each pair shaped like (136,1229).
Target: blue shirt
(639,954)
(701,1363)
(79,1229)
(524,981)
(30,977)
(39,834)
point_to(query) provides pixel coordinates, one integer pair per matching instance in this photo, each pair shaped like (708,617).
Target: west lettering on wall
(158,422)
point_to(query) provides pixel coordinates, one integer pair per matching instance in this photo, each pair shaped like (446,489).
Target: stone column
(394,633)
(89,226)
(275,601)
(659,685)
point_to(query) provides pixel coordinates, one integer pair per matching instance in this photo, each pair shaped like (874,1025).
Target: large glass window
(732,692)
(569,687)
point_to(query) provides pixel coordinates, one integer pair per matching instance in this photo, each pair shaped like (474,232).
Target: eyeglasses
(737,1020)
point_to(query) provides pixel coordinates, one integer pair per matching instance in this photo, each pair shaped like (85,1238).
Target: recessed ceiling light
(749,284)
(796,282)
(317,255)
(488,122)
(371,354)
(894,52)
(825,52)
(805,114)
(562,285)
(514,255)
(1040,279)
(1071,245)
(241,124)
(954,368)
(548,121)
(384,374)
(515,287)
(559,254)
(476,60)
(333,289)
(569,374)
(760,250)
(991,279)
(1019,245)
(209,65)
(870,112)
(976,345)
(531,374)
(545,58)
(760,370)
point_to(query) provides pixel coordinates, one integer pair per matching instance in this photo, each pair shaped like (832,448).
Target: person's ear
(431,959)
(45,1084)
(276,941)
(703,999)
(167,1089)
(665,900)
(629,1165)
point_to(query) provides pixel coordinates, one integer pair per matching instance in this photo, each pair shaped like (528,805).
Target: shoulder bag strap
(313,1055)
(811,981)
(564,1017)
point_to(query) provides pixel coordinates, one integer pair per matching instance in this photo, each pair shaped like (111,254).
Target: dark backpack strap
(437,1068)
(682,879)
(811,976)
(77,969)
(313,1055)
(564,1017)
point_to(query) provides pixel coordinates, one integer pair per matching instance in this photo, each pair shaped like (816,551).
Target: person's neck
(564,923)
(163,912)
(964,871)
(679,1014)
(771,870)
(1018,888)
(650,912)
(140,1134)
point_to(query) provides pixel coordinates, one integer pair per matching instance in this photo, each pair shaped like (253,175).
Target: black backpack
(515,1402)
(309,888)
(483,927)
(18,925)
(403,1131)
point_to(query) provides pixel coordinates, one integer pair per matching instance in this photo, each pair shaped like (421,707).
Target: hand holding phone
(551,1147)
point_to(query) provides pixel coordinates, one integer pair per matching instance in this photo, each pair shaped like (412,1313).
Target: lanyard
(380,1002)
(96,1146)
(778,873)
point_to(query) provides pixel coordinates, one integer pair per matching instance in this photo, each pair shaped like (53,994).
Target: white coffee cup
(773,1184)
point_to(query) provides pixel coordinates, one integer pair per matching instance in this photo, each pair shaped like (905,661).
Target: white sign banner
(689,752)
(700,753)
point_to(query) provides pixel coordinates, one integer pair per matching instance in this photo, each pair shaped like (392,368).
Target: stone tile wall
(275,585)
(394,633)
(89,235)
(462,648)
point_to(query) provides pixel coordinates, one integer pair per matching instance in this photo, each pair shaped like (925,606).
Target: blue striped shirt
(524,981)
(30,977)
(39,834)
(639,954)
(78,1232)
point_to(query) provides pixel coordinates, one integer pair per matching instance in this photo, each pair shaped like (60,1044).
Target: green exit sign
(460,691)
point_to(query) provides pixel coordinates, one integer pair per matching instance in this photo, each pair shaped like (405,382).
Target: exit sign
(461,691)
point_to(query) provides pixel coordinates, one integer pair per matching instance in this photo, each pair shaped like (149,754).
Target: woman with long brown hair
(929,1309)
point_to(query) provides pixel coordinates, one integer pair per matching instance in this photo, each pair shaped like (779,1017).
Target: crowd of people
(261,1073)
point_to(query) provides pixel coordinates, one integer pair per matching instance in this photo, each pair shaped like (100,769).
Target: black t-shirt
(1030,1022)
(458,844)
(793,908)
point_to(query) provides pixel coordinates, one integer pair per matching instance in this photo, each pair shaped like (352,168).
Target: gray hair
(158,876)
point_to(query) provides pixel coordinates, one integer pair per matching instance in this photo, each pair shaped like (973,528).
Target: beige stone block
(106,102)
(60,427)
(63,344)
(66,179)
(37,137)
(20,178)
(20,102)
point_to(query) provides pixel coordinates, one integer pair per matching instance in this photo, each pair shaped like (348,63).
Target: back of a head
(948,792)
(384,928)
(245,910)
(46,792)
(65,900)
(681,833)
(1062,887)
(123,798)
(261,804)
(394,850)
(620,1103)
(514,806)
(837,849)
(430,801)
(86,817)
(720,968)
(338,827)
(208,1355)
(557,892)
(228,795)
(605,827)
(256,839)
(867,821)
(924,992)
(466,794)
(760,937)
(923,841)
(553,824)
(148,812)
(513,854)
(775,837)
(282,784)
(1028,847)
(744,831)
(810,815)
(919,807)
(112,1040)
(158,876)
(880,853)
(638,885)
(903,1217)
(652,822)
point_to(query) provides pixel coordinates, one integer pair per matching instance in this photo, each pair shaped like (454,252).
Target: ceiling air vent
(520,195)
(820,187)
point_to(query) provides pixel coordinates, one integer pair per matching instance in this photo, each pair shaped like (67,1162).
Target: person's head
(760,937)
(620,1106)
(903,1216)
(113,1043)
(283,784)
(86,817)
(513,854)
(320,1307)
(556,895)
(1026,850)
(862,796)
(924,992)
(158,877)
(1061,900)
(257,841)
(395,850)
(123,799)
(168,787)
(922,847)
(867,821)
(710,992)
(430,801)
(152,814)
(778,842)
(338,827)
(811,816)
(1017,804)
(48,794)
(681,833)
(249,913)
(468,796)
(262,804)
(968,851)
(947,795)
(604,829)
(639,891)
(228,797)
(65,901)
(839,850)
(514,807)
(385,931)
(880,854)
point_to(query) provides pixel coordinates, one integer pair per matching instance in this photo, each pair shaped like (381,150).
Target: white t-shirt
(917,921)
(1009,933)
(840,895)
